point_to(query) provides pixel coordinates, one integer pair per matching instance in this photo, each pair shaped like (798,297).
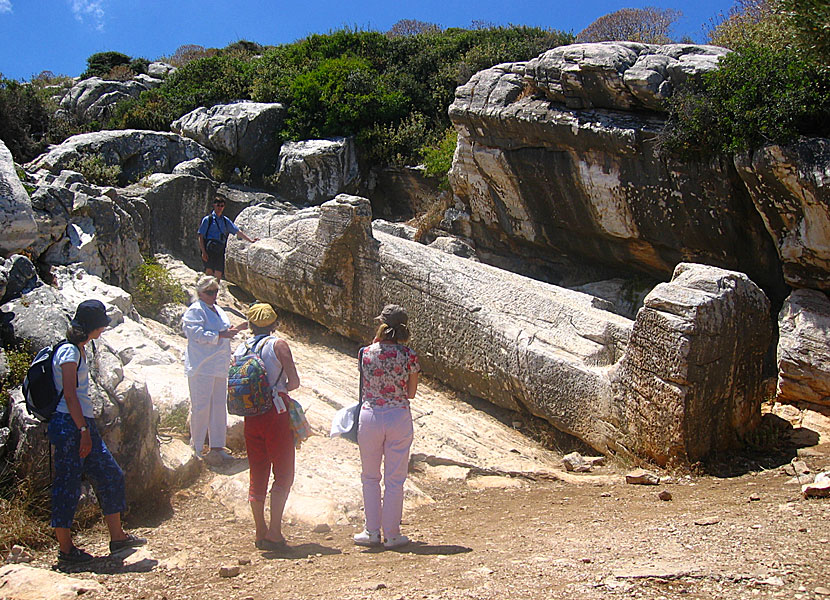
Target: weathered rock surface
(17,221)
(400,191)
(160,70)
(558,155)
(19,275)
(804,348)
(314,171)
(790,187)
(122,365)
(244,130)
(94,99)
(618,75)
(137,152)
(523,344)
(89,225)
(692,372)
(175,207)
(21,582)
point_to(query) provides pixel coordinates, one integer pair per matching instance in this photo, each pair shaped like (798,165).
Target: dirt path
(748,536)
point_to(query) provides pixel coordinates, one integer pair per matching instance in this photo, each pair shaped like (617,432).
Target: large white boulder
(804,348)
(247,131)
(314,171)
(17,220)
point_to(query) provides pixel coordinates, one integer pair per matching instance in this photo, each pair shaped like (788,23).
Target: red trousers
(270,446)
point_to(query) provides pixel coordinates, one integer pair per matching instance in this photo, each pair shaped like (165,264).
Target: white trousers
(208,410)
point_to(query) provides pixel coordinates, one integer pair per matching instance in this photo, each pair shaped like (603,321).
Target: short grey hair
(207,282)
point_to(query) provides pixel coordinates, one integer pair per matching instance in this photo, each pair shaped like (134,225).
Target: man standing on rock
(213,236)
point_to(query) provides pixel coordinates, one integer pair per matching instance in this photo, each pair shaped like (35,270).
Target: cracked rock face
(245,130)
(136,151)
(17,221)
(314,171)
(94,99)
(558,155)
(526,345)
(804,348)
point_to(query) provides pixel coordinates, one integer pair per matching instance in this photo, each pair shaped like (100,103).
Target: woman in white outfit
(206,362)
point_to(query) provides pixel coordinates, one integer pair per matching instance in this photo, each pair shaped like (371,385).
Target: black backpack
(42,398)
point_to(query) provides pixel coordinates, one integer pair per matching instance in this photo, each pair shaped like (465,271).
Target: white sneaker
(367,538)
(396,541)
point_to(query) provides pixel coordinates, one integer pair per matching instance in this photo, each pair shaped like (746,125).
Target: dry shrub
(24,513)
(430,219)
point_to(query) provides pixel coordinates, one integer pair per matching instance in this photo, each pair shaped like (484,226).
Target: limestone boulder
(94,99)
(160,70)
(804,348)
(17,220)
(20,276)
(691,380)
(524,344)
(790,186)
(244,130)
(175,207)
(314,171)
(136,151)
(22,582)
(557,157)
(96,227)
(618,75)
(122,364)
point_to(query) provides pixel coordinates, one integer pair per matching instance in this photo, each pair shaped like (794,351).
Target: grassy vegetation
(154,288)
(176,420)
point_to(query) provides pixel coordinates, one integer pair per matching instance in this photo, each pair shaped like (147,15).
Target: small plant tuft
(175,420)
(154,288)
(95,170)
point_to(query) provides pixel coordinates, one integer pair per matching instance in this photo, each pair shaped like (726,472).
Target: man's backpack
(249,393)
(42,397)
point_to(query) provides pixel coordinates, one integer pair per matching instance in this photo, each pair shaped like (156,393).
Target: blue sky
(58,35)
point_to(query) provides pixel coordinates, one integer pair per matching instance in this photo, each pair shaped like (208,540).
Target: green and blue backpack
(249,394)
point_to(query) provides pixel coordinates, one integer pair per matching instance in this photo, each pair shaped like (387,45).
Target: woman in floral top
(389,372)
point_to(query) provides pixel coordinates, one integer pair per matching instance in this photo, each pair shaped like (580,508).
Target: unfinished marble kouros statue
(681,381)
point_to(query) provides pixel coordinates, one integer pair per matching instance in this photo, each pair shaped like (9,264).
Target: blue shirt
(69,353)
(218,228)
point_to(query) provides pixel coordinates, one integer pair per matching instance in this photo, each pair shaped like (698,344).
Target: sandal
(269,545)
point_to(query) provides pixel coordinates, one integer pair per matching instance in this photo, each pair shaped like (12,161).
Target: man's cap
(393,315)
(261,315)
(90,315)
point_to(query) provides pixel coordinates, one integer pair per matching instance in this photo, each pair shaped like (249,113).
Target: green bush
(153,288)
(18,360)
(391,92)
(101,63)
(95,170)
(24,120)
(758,95)
(438,157)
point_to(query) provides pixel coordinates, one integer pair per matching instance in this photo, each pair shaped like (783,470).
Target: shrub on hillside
(95,170)
(438,157)
(757,96)
(101,63)
(24,120)
(153,288)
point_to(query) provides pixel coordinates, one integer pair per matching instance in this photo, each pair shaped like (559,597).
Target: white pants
(208,410)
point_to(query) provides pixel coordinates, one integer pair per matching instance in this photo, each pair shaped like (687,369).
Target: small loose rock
(322,528)
(229,571)
(664,495)
(641,477)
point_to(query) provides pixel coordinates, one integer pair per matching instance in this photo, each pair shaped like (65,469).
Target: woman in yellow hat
(268,437)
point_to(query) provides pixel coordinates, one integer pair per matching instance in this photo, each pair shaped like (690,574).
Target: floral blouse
(385,369)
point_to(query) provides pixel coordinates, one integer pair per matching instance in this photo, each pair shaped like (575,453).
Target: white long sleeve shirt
(207,353)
